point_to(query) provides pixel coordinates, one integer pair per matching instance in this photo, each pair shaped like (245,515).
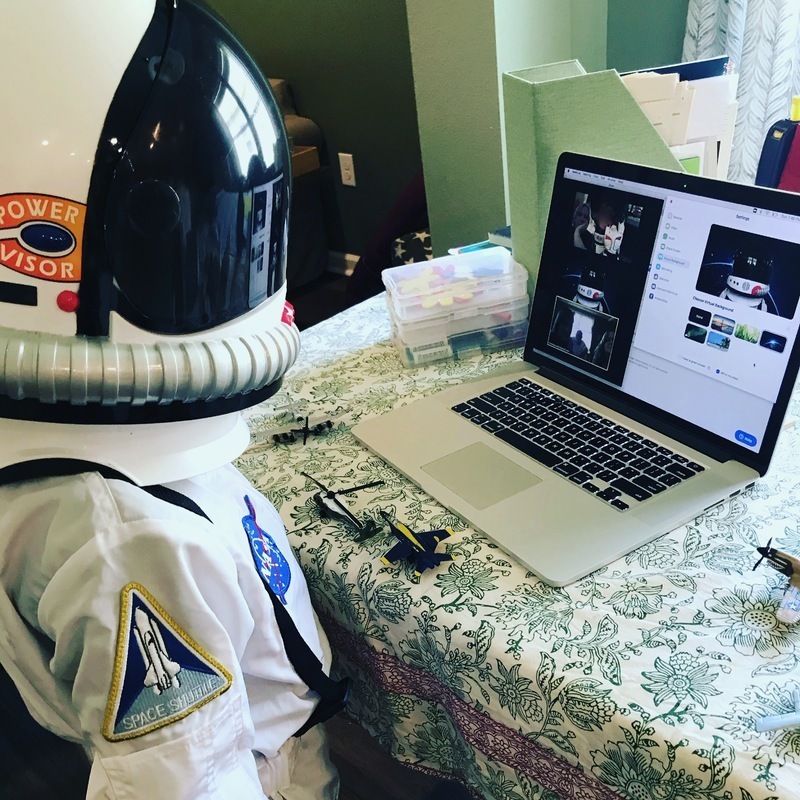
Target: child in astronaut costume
(150,604)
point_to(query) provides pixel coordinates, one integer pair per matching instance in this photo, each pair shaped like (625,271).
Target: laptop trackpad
(480,475)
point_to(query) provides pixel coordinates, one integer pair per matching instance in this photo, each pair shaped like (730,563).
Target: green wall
(645,33)
(459,50)
(455,77)
(349,65)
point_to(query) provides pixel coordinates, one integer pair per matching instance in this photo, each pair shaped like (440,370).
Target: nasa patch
(271,564)
(161,674)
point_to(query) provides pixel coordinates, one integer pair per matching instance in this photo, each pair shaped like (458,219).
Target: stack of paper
(667,102)
(693,106)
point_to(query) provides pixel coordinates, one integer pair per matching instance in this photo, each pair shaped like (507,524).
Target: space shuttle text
(173,706)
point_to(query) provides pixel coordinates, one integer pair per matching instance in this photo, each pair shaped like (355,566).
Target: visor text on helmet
(41,236)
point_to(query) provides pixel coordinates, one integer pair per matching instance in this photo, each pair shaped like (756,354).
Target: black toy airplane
(292,424)
(789,609)
(309,426)
(416,548)
(330,505)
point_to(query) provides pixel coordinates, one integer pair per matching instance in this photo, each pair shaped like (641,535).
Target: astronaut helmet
(591,287)
(750,275)
(144,198)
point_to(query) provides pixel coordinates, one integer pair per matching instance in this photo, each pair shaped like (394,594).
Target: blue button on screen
(746,438)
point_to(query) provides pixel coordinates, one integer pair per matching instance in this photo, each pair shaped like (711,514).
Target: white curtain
(762,37)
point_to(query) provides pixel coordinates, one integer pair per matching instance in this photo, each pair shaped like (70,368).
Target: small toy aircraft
(789,609)
(776,721)
(293,424)
(307,426)
(330,505)
(417,548)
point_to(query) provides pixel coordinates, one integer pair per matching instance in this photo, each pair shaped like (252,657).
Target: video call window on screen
(600,220)
(592,276)
(584,333)
(751,271)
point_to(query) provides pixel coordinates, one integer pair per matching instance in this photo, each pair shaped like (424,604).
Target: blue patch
(160,674)
(270,562)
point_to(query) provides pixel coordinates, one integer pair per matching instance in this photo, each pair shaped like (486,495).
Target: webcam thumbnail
(751,271)
(611,237)
(582,332)
(603,220)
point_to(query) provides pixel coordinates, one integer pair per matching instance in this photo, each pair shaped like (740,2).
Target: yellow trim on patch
(121,657)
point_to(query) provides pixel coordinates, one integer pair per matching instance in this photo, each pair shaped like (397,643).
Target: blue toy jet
(416,548)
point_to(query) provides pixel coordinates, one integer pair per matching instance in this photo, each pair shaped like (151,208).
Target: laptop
(660,357)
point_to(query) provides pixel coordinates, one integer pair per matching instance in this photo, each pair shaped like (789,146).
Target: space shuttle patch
(160,675)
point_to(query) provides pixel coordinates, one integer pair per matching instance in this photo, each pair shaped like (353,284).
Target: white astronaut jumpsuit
(144,631)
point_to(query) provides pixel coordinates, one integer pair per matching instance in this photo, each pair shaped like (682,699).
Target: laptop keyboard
(615,464)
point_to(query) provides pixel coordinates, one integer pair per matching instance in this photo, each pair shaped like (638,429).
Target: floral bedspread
(641,681)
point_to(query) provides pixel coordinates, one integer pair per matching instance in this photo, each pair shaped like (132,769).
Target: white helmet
(144,193)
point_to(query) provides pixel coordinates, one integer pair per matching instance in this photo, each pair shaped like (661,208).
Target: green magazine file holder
(558,107)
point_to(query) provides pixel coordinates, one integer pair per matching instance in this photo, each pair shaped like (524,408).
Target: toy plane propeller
(417,548)
(330,505)
(789,609)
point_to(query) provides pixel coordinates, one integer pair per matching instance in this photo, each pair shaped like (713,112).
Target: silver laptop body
(685,293)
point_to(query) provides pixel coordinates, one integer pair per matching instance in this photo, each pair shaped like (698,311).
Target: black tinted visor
(190,207)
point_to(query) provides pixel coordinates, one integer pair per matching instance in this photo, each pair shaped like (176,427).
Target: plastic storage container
(457,306)
(461,332)
(429,289)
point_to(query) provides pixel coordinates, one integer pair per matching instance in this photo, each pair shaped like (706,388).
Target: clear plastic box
(428,289)
(497,326)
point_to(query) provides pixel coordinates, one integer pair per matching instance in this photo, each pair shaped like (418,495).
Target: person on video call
(602,233)
(561,330)
(578,346)
(601,355)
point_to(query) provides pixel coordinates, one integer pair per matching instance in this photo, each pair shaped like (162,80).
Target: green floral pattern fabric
(641,681)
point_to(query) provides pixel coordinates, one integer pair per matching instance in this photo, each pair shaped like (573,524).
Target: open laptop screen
(677,293)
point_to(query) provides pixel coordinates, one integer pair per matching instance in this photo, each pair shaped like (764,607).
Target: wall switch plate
(346,169)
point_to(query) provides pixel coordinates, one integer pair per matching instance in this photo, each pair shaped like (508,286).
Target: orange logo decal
(42,236)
